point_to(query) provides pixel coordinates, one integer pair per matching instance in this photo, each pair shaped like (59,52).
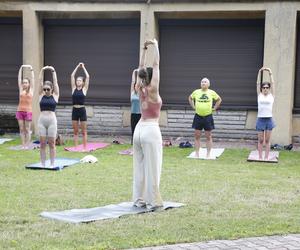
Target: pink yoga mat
(89,147)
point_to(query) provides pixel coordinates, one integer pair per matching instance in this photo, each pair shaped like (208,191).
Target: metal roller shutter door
(11,43)
(228,52)
(109,49)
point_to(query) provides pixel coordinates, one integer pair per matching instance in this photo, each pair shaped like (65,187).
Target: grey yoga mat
(273,156)
(101,213)
(3,140)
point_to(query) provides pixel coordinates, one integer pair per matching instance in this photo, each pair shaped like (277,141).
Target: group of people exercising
(145,112)
(48,99)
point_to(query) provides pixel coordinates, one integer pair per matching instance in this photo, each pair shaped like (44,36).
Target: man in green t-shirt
(202,101)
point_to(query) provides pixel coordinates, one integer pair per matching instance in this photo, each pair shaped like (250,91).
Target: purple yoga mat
(89,147)
(126,152)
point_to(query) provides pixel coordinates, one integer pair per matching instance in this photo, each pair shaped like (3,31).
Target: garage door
(10,59)
(228,52)
(109,49)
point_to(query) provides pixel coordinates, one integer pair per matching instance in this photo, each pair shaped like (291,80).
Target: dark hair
(263,84)
(146,74)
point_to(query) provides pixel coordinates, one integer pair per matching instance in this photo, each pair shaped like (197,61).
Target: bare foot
(210,157)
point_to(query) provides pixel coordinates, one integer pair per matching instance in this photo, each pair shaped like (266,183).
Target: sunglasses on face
(265,87)
(46,89)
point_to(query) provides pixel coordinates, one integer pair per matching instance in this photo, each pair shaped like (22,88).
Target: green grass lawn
(225,199)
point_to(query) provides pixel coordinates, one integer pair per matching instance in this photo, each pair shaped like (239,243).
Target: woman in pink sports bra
(24,111)
(147,140)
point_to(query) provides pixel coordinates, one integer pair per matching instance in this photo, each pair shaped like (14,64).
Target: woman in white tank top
(264,123)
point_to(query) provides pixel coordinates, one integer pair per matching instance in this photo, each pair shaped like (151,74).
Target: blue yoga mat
(59,164)
(102,213)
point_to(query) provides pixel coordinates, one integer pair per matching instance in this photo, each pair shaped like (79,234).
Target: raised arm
(20,78)
(41,80)
(133,80)
(156,73)
(258,81)
(32,79)
(73,84)
(87,78)
(272,87)
(55,84)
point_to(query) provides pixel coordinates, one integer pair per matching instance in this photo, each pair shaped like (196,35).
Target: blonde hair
(82,78)
(50,84)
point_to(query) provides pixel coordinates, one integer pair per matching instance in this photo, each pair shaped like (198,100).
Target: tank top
(135,103)
(78,97)
(48,103)
(149,109)
(265,105)
(25,102)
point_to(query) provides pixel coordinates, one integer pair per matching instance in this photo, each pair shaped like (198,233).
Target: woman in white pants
(147,140)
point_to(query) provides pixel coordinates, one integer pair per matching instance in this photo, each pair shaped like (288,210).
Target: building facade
(226,41)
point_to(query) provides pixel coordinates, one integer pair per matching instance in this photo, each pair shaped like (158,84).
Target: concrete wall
(279,51)
(174,123)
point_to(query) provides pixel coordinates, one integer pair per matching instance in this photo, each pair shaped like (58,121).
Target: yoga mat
(59,164)
(214,154)
(126,152)
(3,140)
(102,213)
(89,147)
(273,156)
(31,146)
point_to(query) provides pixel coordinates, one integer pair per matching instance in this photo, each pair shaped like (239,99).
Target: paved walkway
(278,242)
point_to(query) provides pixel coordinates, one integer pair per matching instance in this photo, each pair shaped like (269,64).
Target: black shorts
(79,114)
(203,122)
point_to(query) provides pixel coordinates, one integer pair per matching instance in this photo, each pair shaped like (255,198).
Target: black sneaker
(288,147)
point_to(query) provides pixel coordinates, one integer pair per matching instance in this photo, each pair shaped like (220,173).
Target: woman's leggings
(134,119)
(147,163)
(47,124)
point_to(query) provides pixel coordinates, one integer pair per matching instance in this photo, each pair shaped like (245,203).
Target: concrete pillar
(148,30)
(33,53)
(279,55)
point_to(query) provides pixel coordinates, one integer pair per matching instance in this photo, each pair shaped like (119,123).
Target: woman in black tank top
(47,123)
(79,91)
